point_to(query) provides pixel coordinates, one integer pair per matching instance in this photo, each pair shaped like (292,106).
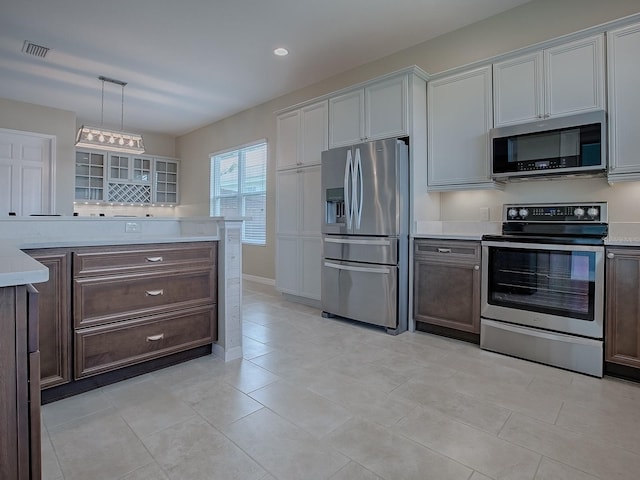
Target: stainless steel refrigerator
(365,199)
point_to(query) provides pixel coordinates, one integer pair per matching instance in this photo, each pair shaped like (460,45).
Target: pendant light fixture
(112,140)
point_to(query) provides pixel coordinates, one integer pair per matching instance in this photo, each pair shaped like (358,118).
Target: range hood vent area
(31,48)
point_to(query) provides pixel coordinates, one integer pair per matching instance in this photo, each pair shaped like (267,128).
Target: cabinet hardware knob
(476,267)
(154,259)
(155,338)
(444,250)
(610,255)
(154,293)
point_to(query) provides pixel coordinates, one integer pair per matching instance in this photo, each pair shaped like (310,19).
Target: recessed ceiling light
(281,52)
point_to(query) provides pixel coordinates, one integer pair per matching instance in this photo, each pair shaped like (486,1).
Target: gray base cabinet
(622,335)
(446,284)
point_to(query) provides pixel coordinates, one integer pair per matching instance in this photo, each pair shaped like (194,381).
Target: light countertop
(21,233)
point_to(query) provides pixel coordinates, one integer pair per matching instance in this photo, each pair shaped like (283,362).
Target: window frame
(242,194)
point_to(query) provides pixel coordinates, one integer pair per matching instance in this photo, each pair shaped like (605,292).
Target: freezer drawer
(364,292)
(361,249)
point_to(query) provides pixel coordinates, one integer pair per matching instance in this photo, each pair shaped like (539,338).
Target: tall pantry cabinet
(301,137)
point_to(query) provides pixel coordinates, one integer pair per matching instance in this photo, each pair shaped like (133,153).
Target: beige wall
(62,124)
(531,23)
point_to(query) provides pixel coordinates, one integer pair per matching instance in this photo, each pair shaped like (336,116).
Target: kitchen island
(132,273)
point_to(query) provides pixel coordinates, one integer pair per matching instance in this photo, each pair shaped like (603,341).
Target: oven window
(554,282)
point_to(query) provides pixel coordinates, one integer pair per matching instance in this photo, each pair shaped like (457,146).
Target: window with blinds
(239,188)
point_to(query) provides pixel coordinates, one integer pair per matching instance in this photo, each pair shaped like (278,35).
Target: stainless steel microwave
(556,146)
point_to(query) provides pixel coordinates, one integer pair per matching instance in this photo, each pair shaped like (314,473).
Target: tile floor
(325,399)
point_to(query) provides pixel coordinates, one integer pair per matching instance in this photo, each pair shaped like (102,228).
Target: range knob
(512,213)
(593,212)
(523,212)
(579,212)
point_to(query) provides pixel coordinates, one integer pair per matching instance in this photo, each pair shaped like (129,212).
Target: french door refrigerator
(365,199)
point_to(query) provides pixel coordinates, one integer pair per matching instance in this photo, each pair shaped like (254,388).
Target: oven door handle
(544,246)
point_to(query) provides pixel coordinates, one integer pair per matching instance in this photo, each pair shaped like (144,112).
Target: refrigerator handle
(358,183)
(348,172)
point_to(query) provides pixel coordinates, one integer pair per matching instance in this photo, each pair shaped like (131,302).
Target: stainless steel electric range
(543,285)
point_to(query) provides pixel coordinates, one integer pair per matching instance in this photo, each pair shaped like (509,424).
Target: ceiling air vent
(31,48)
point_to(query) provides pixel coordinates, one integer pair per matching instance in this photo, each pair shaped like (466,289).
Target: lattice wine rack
(129,193)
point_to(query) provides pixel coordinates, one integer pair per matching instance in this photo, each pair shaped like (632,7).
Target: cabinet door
(287,143)
(386,108)
(90,176)
(310,263)
(346,119)
(624,102)
(622,345)
(165,183)
(315,136)
(54,318)
(310,200)
(447,294)
(287,203)
(574,77)
(517,89)
(460,116)
(287,264)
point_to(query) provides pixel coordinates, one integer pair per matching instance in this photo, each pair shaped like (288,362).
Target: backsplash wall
(623,198)
(123,210)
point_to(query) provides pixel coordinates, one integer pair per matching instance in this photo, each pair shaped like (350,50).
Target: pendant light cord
(102,106)
(122,110)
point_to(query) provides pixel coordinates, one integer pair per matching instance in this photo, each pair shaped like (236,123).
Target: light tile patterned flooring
(315,398)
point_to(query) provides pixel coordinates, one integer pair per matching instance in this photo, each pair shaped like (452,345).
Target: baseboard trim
(310,302)
(263,280)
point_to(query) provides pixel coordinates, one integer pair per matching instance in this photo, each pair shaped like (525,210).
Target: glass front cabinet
(106,177)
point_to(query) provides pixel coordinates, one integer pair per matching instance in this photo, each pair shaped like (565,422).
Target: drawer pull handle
(155,338)
(154,259)
(154,293)
(444,250)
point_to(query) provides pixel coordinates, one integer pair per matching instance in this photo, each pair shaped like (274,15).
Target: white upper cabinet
(288,142)
(459,118)
(346,119)
(315,136)
(623,46)
(561,80)
(302,136)
(378,110)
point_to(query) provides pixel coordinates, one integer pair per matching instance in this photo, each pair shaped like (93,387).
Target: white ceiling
(189,63)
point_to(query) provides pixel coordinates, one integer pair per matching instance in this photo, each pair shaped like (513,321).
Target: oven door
(553,287)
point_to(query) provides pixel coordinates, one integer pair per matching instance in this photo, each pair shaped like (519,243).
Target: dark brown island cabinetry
(139,302)
(622,322)
(112,312)
(19,384)
(54,314)
(446,287)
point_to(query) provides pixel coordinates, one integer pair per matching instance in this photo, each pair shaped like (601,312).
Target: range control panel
(562,212)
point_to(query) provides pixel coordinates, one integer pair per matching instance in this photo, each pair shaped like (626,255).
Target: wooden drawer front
(99,300)
(115,259)
(449,250)
(108,347)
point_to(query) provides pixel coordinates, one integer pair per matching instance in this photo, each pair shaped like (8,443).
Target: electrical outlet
(484,214)
(132,227)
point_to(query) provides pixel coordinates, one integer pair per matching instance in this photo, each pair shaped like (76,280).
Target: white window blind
(239,188)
